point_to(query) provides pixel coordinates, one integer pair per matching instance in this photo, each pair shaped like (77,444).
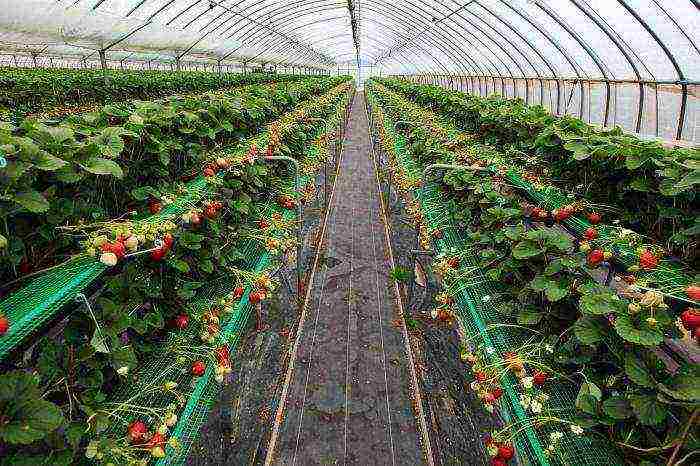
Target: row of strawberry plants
(100,165)
(630,250)
(56,92)
(653,189)
(107,242)
(546,285)
(169,302)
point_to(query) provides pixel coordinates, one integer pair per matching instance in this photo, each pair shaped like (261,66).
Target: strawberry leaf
(648,409)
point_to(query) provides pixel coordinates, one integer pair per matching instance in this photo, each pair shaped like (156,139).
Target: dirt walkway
(348,401)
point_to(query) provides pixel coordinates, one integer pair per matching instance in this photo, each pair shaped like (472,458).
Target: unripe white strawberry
(109,259)
(132,243)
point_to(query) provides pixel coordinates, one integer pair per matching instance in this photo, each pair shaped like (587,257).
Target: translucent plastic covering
(587,57)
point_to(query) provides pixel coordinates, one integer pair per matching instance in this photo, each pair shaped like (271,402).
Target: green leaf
(684,387)
(47,162)
(588,330)
(144,192)
(617,407)
(179,265)
(648,409)
(588,397)
(110,142)
(206,266)
(33,201)
(690,179)
(637,371)
(18,384)
(557,290)
(525,250)
(529,316)
(100,166)
(599,301)
(580,151)
(640,334)
(31,420)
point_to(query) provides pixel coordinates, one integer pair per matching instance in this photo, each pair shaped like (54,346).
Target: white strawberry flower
(576,429)
(536,407)
(527,382)
(123,370)
(171,419)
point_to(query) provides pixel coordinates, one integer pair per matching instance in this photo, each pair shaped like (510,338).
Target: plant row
(583,354)
(55,92)
(118,161)
(648,187)
(148,350)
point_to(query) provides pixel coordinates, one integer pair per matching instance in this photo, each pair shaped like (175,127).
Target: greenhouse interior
(350,232)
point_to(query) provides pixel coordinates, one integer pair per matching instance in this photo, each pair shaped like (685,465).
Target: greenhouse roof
(639,40)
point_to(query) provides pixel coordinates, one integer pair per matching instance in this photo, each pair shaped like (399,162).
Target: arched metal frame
(515,48)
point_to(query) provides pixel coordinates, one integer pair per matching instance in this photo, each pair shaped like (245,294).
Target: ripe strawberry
(196,219)
(158,440)
(693,292)
(497,392)
(590,234)
(238,292)
(4,325)
(222,355)
(539,378)
(209,172)
(168,241)
(158,254)
(210,212)
(262,223)
(480,376)
(647,260)
(595,257)
(560,215)
(182,321)
(437,234)
(136,431)
(198,368)
(690,318)
(498,462)
(118,249)
(489,398)
(506,452)
(453,262)
(594,218)
(256,297)
(24,266)
(154,207)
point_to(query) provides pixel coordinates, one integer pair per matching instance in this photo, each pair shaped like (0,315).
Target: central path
(348,400)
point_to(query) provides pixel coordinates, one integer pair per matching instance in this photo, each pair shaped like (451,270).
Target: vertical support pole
(178,65)
(103,59)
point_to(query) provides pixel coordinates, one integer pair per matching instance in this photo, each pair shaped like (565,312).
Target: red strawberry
(480,376)
(691,318)
(119,249)
(489,398)
(238,292)
(498,462)
(647,260)
(136,431)
(506,452)
(4,325)
(25,267)
(497,392)
(222,355)
(210,211)
(196,219)
(158,254)
(256,297)
(168,241)
(158,440)
(453,262)
(594,218)
(262,223)
(198,368)
(595,257)
(539,378)
(561,215)
(437,234)
(209,172)
(154,207)
(693,292)
(182,321)
(590,234)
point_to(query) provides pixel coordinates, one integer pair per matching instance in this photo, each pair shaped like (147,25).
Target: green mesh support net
(195,396)
(476,301)
(40,300)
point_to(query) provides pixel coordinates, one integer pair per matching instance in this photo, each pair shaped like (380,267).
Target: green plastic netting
(477,315)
